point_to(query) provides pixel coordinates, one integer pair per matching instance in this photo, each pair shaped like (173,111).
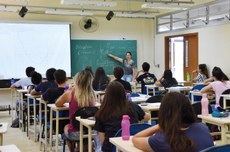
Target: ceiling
(123,6)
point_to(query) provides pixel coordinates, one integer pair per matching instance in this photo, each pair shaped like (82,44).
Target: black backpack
(84,112)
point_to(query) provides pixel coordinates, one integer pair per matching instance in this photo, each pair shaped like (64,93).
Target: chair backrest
(134,129)
(154,99)
(221,98)
(223,148)
(197,108)
(84,112)
(197,87)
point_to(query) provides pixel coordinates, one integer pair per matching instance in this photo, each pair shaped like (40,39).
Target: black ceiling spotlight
(109,15)
(23,11)
(88,24)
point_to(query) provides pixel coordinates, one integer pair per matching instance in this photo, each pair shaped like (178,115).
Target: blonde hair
(83,89)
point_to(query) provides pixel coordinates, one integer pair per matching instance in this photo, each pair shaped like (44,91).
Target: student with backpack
(81,95)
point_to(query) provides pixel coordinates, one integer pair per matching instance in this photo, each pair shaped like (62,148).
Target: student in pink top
(218,86)
(80,95)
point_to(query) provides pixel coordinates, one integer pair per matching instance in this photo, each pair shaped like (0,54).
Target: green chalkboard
(94,53)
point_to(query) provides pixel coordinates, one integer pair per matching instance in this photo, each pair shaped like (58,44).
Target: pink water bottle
(125,125)
(204,105)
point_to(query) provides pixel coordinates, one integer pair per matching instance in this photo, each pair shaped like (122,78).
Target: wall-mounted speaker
(23,11)
(109,15)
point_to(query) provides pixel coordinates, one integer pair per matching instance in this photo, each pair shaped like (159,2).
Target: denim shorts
(74,135)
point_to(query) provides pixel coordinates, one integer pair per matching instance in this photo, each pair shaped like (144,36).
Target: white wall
(213,42)
(116,29)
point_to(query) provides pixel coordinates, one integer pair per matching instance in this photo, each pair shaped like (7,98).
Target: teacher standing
(128,65)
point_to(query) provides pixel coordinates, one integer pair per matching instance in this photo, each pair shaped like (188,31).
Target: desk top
(3,128)
(151,86)
(141,98)
(100,92)
(32,96)
(86,122)
(227,96)
(151,106)
(5,89)
(54,107)
(180,88)
(9,148)
(22,90)
(224,120)
(124,145)
(198,93)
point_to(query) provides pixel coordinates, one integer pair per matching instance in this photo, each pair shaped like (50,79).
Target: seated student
(177,131)
(101,80)
(146,78)
(109,116)
(118,73)
(81,95)
(89,68)
(50,83)
(201,72)
(24,82)
(52,94)
(36,79)
(166,80)
(211,79)
(218,86)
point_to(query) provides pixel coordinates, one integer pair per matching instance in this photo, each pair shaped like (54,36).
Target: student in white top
(218,86)
(24,82)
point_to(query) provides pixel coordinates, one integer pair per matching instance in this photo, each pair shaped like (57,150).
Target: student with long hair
(166,80)
(101,80)
(218,86)
(82,95)
(109,116)
(177,131)
(201,72)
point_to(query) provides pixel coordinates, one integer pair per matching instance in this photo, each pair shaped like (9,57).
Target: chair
(221,98)
(223,148)
(84,112)
(197,87)
(197,108)
(134,129)
(154,99)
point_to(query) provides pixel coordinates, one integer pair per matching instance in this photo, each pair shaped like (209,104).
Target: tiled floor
(17,137)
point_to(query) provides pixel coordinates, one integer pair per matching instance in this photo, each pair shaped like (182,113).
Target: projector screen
(38,45)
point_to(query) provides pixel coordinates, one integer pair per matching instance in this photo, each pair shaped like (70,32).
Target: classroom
(151,33)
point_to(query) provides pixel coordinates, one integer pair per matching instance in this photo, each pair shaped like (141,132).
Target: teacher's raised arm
(129,66)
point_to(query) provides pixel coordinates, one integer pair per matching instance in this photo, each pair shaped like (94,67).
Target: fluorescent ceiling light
(7,9)
(134,15)
(88,3)
(67,12)
(164,6)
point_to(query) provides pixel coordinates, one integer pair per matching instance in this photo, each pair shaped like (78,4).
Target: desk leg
(154,92)
(28,116)
(147,90)
(81,137)
(35,122)
(223,134)
(51,128)
(57,129)
(150,119)
(1,138)
(192,98)
(45,127)
(40,125)
(89,139)
(225,103)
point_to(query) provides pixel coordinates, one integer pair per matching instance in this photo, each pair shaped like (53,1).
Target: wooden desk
(3,129)
(194,93)
(151,107)
(20,92)
(33,97)
(179,89)
(153,87)
(222,122)
(225,98)
(55,109)
(9,148)
(44,111)
(89,124)
(141,98)
(124,145)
